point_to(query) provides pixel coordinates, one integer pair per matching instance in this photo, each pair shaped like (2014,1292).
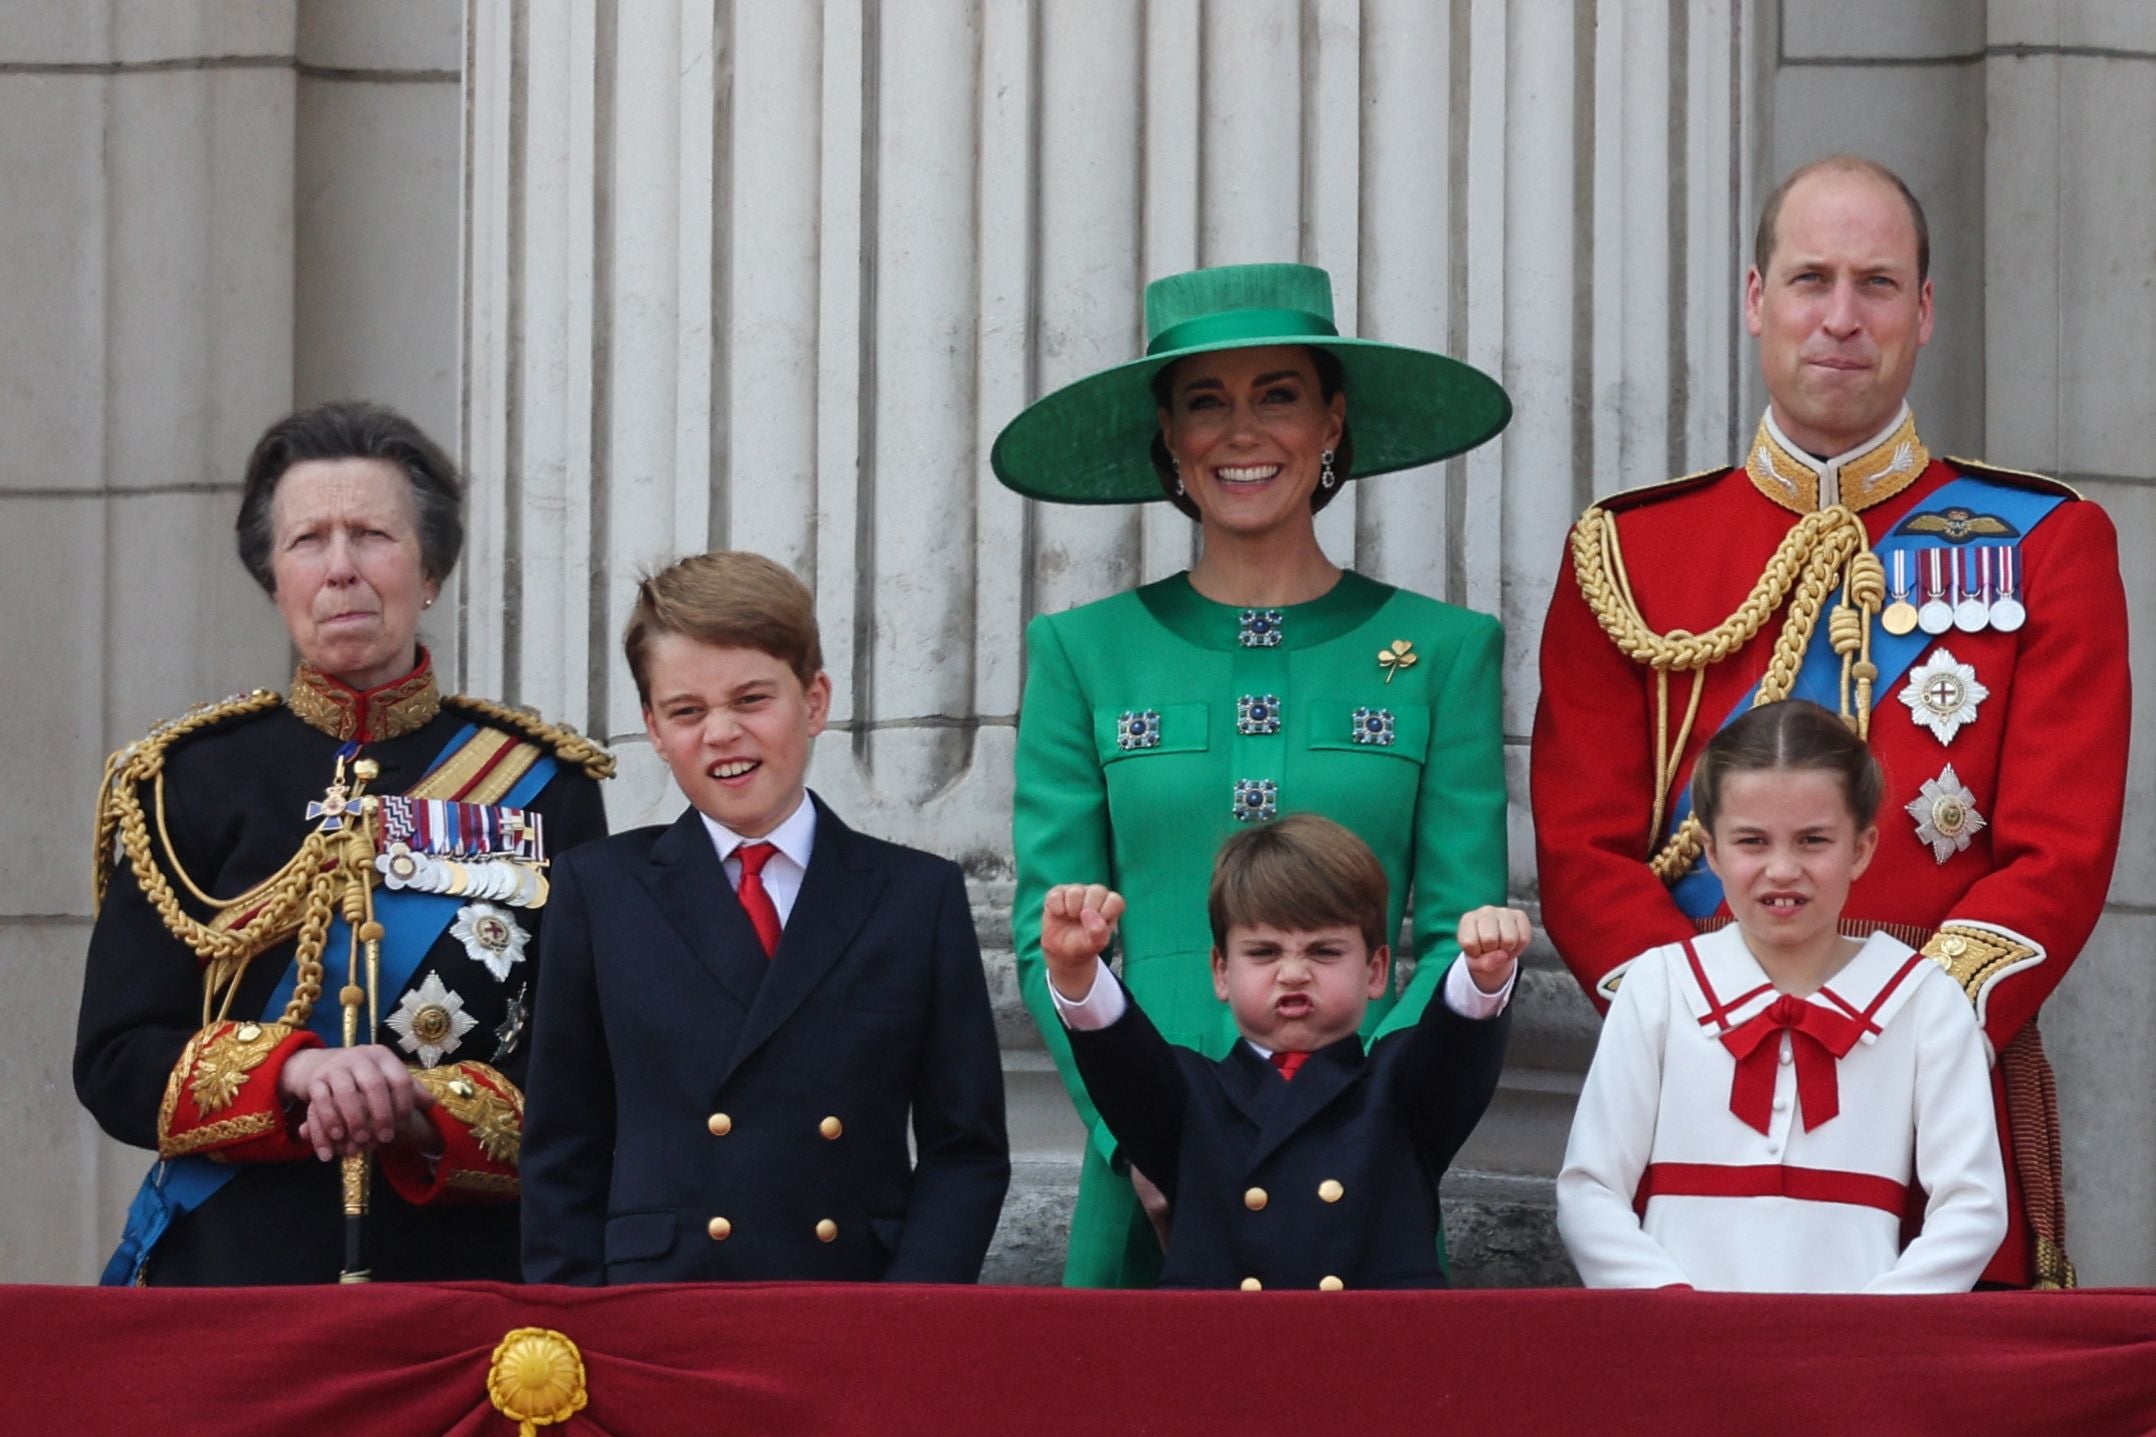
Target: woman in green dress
(1265,680)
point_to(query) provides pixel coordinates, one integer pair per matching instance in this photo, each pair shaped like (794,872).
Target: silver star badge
(430,1020)
(491,936)
(1942,694)
(1945,814)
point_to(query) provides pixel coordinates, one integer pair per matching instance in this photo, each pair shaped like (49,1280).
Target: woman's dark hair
(1793,734)
(352,429)
(1331,380)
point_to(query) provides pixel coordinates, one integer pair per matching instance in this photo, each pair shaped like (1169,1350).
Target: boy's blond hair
(730,599)
(1299,874)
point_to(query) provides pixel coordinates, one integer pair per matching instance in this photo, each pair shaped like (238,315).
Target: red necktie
(755,898)
(1288,1063)
(1818,1039)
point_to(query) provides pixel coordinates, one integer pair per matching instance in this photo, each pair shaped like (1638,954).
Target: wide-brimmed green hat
(1091,442)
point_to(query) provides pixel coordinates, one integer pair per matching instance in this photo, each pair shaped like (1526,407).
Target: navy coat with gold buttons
(1327,1181)
(698,1112)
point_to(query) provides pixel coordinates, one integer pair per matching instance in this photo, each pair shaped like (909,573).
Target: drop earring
(1326,478)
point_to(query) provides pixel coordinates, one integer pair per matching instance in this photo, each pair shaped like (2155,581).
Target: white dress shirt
(795,840)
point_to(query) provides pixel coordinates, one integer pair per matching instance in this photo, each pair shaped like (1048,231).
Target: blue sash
(1819,678)
(412,923)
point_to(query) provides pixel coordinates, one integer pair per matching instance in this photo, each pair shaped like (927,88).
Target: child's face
(1787,849)
(1294,991)
(735,727)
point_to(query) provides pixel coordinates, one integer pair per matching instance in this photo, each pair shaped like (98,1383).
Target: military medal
(491,936)
(507,1036)
(1972,602)
(1945,814)
(430,1021)
(1942,695)
(1937,616)
(337,799)
(1900,616)
(2007,614)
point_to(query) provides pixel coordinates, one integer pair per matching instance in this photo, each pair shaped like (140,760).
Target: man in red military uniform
(1971,620)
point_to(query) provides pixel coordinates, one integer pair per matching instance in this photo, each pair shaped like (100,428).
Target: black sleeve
(1449,1067)
(567,1161)
(1139,1089)
(962,1147)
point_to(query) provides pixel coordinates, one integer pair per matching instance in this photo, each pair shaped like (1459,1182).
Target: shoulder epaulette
(568,745)
(1625,499)
(2019,478)
(144,759)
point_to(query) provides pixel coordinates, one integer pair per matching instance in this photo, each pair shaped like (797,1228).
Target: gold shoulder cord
(567,744)
(301,895)
(1822,551)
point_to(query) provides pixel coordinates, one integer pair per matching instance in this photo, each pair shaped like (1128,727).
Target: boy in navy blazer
(1298,1160)
(740,1013)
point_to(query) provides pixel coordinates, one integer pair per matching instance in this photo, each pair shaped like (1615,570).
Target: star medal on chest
(1945,814)
(2007,614)
(491,935)
(339,798)
(1899,616)
(1972,585)
(1942,694)
(430,1021)
(1937,615)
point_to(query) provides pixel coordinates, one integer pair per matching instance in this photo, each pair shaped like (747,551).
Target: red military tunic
(2043,761)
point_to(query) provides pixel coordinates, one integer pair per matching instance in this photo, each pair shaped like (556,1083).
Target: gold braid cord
(567,744)
(1823,551)
(301,895)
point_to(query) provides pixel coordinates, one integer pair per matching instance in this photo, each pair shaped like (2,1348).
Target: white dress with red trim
(1733,1137)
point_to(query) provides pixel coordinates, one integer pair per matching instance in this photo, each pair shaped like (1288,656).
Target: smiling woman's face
(344,551)
(1248,429)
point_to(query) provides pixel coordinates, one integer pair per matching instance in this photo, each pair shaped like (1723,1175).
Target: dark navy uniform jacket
(699,1112)
(1328,1180)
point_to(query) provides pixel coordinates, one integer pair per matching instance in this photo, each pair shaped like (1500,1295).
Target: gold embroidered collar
(388,711)
(1876,470)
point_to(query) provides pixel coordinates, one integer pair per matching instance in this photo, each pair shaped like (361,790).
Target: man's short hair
(1300,874)
(1770,214)
(729,599)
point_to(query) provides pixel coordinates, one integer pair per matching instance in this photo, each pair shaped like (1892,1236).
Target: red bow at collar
(1818,1038)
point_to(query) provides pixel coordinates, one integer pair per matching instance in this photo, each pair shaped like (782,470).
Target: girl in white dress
(1773,1106)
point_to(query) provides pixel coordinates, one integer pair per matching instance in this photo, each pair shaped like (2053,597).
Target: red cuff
(479,1117)
(222,1097)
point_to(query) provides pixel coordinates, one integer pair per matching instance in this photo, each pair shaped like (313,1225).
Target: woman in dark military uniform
(1266,680)
(311,972)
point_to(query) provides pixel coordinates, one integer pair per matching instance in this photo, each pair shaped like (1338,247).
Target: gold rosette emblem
(536,1378)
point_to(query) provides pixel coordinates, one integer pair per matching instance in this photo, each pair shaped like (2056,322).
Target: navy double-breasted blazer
(1329,1180)
(699,1112)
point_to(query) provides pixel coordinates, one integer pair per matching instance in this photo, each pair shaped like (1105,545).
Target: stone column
(216,211)
(773,276)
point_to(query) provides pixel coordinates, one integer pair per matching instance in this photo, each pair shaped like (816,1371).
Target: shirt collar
(1879,468)
(795,837)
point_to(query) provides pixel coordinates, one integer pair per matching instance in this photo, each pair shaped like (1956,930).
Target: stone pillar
(2029,132)
(773,276)
(218,210)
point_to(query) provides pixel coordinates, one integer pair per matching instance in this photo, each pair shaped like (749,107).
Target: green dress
(1152,725)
